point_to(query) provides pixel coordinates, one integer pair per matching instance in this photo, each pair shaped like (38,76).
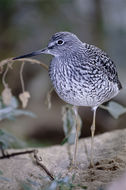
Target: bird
(81,74)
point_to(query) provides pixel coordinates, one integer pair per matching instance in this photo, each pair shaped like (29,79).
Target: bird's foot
(91,165)
(73,166)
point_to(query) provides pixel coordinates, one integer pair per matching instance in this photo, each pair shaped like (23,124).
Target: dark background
(27,25)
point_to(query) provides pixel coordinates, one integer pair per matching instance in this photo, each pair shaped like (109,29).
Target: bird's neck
(72,57)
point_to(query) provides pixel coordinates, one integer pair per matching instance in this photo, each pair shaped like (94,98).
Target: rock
(109,158)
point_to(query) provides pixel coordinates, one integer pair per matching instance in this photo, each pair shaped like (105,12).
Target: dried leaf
(48,98)
(6,96)
(24,98)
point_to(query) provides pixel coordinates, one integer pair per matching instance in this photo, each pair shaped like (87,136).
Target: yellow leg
(92,136)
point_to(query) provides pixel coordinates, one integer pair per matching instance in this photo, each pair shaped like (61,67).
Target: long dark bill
(31,54)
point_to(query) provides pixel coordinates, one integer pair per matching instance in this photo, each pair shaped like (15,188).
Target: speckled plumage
(83,75)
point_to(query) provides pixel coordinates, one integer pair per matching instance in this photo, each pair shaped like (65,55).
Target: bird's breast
(80,86)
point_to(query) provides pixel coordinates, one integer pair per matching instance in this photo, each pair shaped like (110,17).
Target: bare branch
(21,76)
(32,61)
(38,162)
(4,156)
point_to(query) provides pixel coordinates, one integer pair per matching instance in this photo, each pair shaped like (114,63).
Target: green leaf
(34,183)
(61,183)
(115,109)
(53,186)
(26,186)
(11,111)
(69,124)
(7,140)
(4,179)
(19,112)
(65,140)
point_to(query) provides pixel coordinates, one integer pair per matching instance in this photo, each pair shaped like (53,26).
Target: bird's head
(60,44)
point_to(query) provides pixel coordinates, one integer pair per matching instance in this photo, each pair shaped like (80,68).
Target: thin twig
(9,66)
(4,76)
(38,162)
(21,76)
(16,154)
(5,61)
(33,61)
(48,97)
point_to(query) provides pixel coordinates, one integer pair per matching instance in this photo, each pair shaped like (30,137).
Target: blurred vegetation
(58,184)
(7,141)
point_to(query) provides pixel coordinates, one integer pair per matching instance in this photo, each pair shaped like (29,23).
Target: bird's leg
(76,136)
(92,136)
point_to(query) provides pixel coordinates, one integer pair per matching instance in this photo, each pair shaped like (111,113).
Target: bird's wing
(103,63)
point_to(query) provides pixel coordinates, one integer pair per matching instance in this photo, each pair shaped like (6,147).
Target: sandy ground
(109,159)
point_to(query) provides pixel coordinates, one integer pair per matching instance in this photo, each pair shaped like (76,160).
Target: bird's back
(104,61)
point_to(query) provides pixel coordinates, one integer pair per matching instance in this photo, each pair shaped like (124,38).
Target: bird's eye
(60,42)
